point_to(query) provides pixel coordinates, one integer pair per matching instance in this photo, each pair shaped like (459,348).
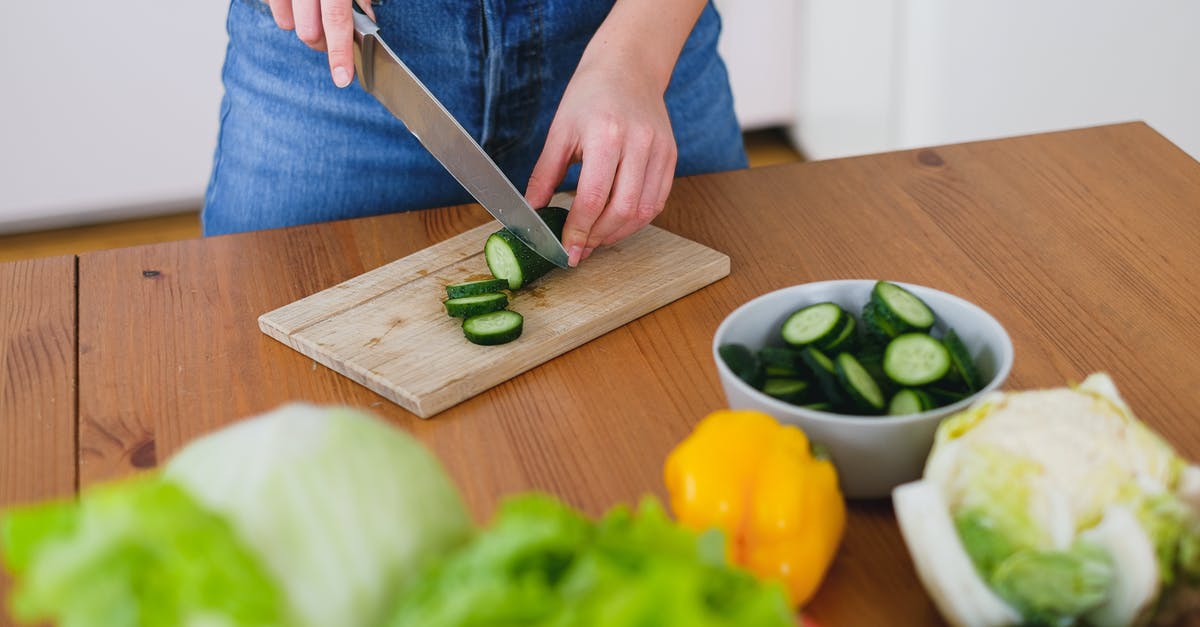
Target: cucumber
(819,406)
(825,374)
(858,384)
(877,329)
(510,259)
(495,327)
(909,401)
(781,372)
(744,364)
(788,390)
(901,308)
(914,359)
(475,288)
(843,341)
(943,396)
(778,357)
(814,324)
(474,305)
(964,368)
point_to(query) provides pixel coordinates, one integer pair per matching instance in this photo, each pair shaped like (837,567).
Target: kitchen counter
(1081,243)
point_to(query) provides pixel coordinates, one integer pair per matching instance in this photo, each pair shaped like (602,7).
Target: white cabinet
(108,110)
(881,74)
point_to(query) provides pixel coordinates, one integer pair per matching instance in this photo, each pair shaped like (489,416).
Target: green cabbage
(542,563)
(303,516)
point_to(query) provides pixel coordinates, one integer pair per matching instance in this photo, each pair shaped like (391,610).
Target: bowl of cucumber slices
(867,368)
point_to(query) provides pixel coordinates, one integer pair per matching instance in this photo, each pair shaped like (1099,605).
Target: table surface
(1082,243)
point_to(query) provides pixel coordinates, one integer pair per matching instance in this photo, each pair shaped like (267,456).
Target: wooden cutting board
(388,330)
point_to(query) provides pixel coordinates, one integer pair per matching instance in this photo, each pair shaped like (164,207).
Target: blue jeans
(295,149)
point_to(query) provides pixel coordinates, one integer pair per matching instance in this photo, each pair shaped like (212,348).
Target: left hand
(613,120)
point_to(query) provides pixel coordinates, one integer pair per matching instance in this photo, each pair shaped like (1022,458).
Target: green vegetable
(542,563)
(819,324)
(303,516)
(493,328)
(744,363)
(475,288)
(510,259)
(468,306)
(1065,510)
(140,552)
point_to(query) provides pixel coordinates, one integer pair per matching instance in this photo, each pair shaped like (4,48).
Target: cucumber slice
(942,396)
(496,327)
(901,307)
(780,372)
(814,324)
(876,327)
(860,387)
(914,359)
(819,406)
(964,367)
(510,259)
(825,374)
(788,390)
(909,401)
(774,356)
(744,364)
(475,305)
(844,340)
(475,288)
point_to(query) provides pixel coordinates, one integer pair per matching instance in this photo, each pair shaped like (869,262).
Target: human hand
(614,120)
(325,25)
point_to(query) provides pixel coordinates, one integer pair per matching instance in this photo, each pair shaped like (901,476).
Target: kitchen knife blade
(383,75)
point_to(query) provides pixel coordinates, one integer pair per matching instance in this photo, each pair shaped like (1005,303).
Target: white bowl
(873,454)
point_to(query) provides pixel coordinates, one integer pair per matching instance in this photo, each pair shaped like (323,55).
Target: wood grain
(37,384)
(388,330)
(1082,243)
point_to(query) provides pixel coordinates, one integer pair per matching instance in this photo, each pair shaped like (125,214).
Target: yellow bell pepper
(758,481)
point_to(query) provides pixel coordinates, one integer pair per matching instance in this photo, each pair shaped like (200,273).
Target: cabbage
(303,516)
(542,563)
(1067,507)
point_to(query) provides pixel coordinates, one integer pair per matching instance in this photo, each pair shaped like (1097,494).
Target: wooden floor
(763,148)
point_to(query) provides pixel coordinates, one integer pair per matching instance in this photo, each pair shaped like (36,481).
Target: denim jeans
(294,149)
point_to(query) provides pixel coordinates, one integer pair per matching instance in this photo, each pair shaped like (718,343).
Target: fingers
(549,170)
(338,23)
(325,25)
(591,195)
(307,15)
(660,173)
(281,10)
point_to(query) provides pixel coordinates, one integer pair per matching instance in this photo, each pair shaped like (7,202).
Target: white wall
(109,109)
(759,46)
(881,75)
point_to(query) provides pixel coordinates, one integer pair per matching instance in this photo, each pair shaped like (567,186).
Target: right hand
(325,25)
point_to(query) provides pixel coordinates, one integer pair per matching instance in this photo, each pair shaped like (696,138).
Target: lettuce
(303,516)
(141,552)
(543,563)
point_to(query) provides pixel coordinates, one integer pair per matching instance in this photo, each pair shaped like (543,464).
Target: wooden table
(1082,243)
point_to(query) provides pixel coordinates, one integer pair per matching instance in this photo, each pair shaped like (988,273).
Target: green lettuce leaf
(140,552)
(542,563)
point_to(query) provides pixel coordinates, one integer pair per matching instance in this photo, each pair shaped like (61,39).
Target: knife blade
(383,75)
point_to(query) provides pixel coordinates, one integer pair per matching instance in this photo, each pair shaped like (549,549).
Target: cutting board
(388,330)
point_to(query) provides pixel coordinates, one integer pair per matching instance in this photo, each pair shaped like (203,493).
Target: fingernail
(573,254)
(341,77)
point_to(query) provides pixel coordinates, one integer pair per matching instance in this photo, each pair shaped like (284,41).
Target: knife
(383,75)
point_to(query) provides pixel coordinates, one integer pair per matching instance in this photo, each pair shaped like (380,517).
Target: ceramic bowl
(873,454)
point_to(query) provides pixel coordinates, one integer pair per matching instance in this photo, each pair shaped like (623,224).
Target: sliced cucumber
(510,259)
(964,368)
(781,372)
(825,373)
(909,401)
(914,359)
(475,288)
(901,307)
(943,396)
(819,406)
(781,358)
(814,324)
(843,341)
(788,390)
(744,364)
(876,327)
(858,384)
(496,327)
(474,305)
